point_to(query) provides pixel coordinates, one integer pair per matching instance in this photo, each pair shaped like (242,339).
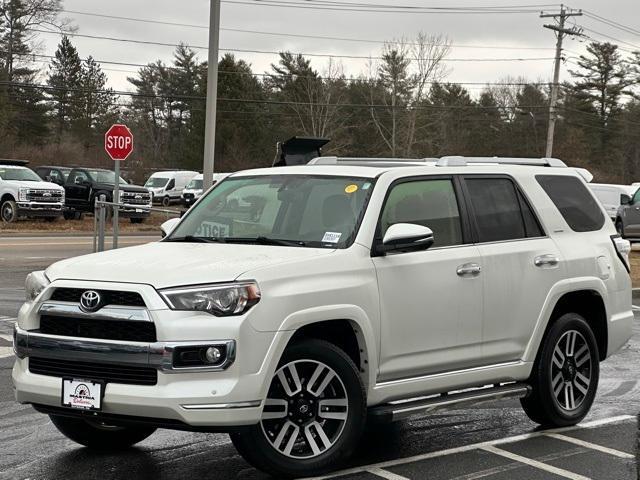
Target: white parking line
(385,474)
(534,463)
(475,446)
(592,446)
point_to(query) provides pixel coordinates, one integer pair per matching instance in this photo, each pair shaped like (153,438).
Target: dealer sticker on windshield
(331,237)
(82,394)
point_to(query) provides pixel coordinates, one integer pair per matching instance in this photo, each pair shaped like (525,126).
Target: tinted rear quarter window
(574,201)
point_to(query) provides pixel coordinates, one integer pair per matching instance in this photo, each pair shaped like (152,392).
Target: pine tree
(65,87)
(601,82)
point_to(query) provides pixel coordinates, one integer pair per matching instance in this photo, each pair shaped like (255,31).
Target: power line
(611,23)
(292,35)
(271,52)
(345,7)
(276,75)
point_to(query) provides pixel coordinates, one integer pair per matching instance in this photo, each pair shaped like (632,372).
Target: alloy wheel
(571,370)
(306,409)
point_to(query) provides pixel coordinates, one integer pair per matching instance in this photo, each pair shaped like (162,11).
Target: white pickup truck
(24,193)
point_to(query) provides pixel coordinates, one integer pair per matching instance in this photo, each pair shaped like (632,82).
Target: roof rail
(371,161)
(455,161)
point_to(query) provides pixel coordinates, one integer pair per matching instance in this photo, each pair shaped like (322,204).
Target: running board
(391,412)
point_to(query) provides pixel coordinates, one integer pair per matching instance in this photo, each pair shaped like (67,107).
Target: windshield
(301,210)
(156,182)
(195,185)
(105,176)
(19,174)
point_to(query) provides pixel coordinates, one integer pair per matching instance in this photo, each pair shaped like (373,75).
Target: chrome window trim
(106,313)
(157,355)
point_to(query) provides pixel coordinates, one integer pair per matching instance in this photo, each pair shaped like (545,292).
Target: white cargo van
(609,195)
(195,189)
(167,187)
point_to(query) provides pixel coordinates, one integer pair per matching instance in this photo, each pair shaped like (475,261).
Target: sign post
(118,143)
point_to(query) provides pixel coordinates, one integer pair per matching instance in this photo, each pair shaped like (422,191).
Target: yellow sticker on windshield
(351,188)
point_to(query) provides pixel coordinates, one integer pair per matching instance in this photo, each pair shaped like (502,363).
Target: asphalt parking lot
(489,441)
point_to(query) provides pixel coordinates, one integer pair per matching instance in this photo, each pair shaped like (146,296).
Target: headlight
(22,194)
(221,299)
(34,284)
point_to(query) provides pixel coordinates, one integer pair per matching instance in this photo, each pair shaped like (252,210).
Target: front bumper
(159,355)
(219,398)
(131,211)
(37,209)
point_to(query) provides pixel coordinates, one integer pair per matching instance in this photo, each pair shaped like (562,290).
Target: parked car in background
(23,193)
(85,185)
(195,190)
(610,196)
(57,175)
(167,187)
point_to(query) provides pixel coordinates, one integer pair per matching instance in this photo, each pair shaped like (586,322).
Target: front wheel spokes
(571,368)
(314,434)
(333,409)
(320,379)
(285,441)
(275,408)
(582,383)
(290,379)
(569,397)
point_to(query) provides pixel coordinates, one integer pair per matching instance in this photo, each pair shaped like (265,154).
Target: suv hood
(166,264)
(34,184)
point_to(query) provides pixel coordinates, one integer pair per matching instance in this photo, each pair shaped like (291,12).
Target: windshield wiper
(267,241)
(194,239)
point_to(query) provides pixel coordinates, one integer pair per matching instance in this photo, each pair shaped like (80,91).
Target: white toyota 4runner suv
(290,305)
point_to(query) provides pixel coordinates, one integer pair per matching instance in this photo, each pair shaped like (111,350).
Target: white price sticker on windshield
(331,237)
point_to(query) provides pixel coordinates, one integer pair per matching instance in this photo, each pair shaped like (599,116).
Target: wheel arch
(7,196)
(588,302)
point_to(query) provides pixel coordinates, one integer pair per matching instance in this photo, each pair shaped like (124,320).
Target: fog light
(213,355)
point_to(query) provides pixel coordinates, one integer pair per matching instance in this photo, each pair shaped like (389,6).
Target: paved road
(492,441)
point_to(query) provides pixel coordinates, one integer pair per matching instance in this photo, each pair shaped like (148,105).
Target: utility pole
(212,95)
(561,31)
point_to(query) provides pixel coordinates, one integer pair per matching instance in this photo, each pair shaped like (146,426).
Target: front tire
(98,435)
(313,416)
(136,220)
(166,201)
(9,211)
(620,227)
(565,376)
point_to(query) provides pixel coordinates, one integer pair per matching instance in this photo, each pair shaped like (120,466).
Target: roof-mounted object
(299,151)
(13,162)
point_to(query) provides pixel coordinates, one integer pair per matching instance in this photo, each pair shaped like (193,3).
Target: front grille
(93,371)
(110,297)
(123,330)
(188,196)
(135,198)
(45,196)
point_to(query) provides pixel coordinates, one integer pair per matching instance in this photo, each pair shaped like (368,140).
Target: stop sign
(118,142)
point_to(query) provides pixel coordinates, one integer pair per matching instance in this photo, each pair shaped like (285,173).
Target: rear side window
(501,212)
(574,201)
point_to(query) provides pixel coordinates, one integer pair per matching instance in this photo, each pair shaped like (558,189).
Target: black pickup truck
(84,185)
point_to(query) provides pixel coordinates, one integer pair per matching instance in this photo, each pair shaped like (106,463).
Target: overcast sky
(522,30)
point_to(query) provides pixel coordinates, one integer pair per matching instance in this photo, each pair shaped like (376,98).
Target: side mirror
(167,227)
(625,199)
(406,236)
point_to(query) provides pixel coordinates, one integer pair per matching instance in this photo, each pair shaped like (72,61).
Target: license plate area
(82,394)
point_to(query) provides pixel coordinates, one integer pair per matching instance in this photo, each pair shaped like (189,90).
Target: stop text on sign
(118,142)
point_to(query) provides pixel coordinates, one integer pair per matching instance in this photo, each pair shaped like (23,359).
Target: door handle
(546,261)
(469,270)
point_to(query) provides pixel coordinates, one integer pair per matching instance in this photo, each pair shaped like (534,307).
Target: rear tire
(100,436)
(565,375)
(9,211)
(620,227)
(166,201)
(314,421)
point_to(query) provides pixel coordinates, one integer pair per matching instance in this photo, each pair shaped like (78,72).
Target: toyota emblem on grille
(90,301)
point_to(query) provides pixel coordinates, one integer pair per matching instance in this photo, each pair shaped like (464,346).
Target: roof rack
(372,161)
(456,161)
(452,161)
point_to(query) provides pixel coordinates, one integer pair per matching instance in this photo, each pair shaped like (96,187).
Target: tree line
(401,105)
